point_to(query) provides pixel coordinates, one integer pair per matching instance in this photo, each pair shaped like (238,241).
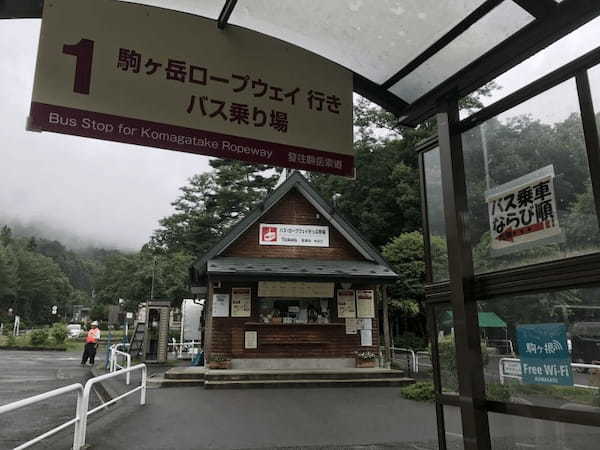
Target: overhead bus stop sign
(149,76)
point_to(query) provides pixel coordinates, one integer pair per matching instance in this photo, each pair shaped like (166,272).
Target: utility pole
(153,272)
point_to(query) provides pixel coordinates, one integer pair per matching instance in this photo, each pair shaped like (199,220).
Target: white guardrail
(81,411)
(413,361)
(511,368)
(115,354)
(189,346)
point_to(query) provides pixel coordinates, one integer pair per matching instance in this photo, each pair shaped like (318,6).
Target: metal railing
(84,413)
(115,353)
(180,346)
(82,409)
(506,343)
(520,377)
(413,363)
(78,388)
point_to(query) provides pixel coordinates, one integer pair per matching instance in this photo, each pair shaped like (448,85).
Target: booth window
(528,184)
(294,310)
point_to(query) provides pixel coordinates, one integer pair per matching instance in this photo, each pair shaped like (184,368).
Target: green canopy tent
(486,320)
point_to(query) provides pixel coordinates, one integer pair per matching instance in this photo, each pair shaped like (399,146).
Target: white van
(74,330)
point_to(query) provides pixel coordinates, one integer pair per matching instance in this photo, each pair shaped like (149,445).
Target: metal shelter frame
(553,20)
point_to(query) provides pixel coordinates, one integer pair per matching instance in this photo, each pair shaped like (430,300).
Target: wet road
(24,374)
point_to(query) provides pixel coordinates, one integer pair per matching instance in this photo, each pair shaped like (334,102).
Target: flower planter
(365,363)
(220,365)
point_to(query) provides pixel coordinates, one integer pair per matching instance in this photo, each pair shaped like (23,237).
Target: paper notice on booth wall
(251,339)
(523,213)
(346,303)
(366,338)
(220,305)
(351,326)
(365,303)
(241,300)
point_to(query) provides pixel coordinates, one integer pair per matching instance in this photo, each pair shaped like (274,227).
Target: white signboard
(241,301)
(523,213)
(366,338)
(162,78)
(220,305)
(365,303)
(295,289)
(251,339)
(511,368)
(293,235)
(346,303)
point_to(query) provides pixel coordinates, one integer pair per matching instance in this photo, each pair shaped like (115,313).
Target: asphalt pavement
(24,374)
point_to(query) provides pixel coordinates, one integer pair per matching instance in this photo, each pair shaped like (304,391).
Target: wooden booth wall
(293,209)
(289,340)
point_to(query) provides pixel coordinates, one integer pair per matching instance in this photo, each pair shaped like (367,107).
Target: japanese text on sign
(523,212)
(294,235)
(236,94)
(544,354)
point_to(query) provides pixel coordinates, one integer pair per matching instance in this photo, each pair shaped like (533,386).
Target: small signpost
(544,354)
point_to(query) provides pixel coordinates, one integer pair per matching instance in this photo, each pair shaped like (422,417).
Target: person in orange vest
(91,344)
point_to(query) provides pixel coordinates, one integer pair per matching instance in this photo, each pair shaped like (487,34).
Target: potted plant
(365,359)
(219,361)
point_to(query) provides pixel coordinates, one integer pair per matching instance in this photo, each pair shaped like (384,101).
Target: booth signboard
(251,339)
(365,303)
(294,235)
(544,354)
(523,213)
(366,338)
(346,303)
(162,78)
(295,289)
(220,307)
(241,300)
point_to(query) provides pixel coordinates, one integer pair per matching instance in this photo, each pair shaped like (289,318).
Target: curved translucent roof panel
(493,28)
(205,8)
(405,54)
(372,38)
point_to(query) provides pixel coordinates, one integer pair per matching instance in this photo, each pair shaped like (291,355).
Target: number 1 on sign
(84,52)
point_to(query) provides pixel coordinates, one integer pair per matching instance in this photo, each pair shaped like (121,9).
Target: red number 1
(83,51)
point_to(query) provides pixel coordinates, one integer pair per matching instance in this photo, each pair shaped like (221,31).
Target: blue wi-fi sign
(544,354)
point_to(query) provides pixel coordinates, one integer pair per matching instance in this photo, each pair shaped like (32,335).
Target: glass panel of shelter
(543,130)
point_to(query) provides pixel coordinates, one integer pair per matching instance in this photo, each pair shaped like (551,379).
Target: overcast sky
(110,193)
(113,194)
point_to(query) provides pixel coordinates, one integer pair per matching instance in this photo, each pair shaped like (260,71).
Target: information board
(220,307)
(523,214)
(365,303)
(295,289)
(126,72)
(293,235)
(241,301)
(346,304)
(544,354)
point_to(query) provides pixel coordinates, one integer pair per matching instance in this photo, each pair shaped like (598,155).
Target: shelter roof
(405,54)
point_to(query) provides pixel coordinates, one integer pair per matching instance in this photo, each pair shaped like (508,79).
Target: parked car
(75,330)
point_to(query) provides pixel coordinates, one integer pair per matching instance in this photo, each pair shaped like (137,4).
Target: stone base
(292,363)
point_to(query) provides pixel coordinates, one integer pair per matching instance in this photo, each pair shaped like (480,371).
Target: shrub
(419,392)
(448,369)
(38,337)
(59,333)
(498,392)
(11,341)
(410,340)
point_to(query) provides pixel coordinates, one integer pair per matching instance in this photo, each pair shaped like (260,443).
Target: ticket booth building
(292,286)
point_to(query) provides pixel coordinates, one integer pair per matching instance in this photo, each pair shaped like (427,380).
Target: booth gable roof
(405,54)
(298,182)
